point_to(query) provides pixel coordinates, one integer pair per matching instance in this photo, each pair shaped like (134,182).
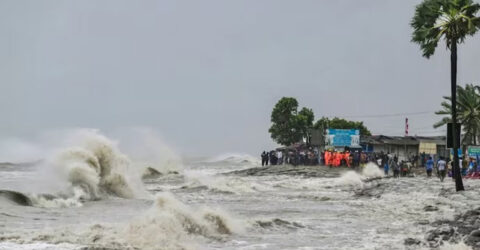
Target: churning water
(91,196)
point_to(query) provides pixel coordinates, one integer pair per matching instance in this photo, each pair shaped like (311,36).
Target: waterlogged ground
(213,205)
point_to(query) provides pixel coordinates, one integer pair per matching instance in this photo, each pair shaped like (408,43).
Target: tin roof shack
(404,146)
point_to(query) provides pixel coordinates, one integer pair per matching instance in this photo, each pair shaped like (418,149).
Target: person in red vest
(327,158)
(338,159)
(347,158)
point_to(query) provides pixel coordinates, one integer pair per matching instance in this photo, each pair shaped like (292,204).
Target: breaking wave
(168,224)
(91,168)
(170,216)
(98,169)
(356,180)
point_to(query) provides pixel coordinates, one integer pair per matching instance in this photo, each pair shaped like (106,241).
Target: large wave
(98,168)
(168,224)
(90,167)
(170,219)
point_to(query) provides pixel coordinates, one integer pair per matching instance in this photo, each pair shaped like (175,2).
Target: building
(404,146)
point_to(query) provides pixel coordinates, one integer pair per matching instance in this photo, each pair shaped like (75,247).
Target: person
(386,168)
(356,159)
(422,157)
(267,157)
(441,166)
(327,158)
(273,158)
(264,156)
(464,164)
(280,157)
(429,166)
(395,167)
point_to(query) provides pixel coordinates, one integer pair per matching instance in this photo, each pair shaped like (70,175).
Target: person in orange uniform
(327,158)
(347,158)
(338,159)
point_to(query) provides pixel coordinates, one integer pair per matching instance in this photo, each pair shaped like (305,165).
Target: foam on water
(88,166)
(98,168)
(236,158)
(170,222)
(371,170)
(228,184)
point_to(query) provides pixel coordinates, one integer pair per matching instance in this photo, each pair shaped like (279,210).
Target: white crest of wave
(170,221)
(354,179)
(350,178)
(236,158)
(91,169)
(372,170)
(230,184)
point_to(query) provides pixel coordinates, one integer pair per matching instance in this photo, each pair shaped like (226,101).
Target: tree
(453,21)
(305,119)
(339,123)
(468,109)
(288,125)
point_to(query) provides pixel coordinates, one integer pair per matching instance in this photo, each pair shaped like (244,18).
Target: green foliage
(288,125)
(468,109)
(452,20)
(339,123)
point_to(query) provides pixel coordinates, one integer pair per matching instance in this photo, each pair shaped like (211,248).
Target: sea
(90,194)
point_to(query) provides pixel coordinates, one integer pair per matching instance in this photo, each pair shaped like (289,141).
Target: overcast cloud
(206,74)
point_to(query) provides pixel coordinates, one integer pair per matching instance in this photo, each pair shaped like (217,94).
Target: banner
(473,151)
(342,137)
(427,148)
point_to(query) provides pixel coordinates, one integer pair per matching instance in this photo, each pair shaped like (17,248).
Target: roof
(402,140)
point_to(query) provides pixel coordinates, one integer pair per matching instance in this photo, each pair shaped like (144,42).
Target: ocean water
(91,195)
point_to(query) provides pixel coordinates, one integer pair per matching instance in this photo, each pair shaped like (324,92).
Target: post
(456,168)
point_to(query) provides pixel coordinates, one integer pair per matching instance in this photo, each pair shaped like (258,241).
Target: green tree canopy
(288,125)
(452,20)
(339,123)
(468,106)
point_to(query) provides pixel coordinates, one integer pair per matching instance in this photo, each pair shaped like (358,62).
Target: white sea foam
(236,158)
(98,167)
(356,180)
(171,219)
(372,170)
(229,184)
(350,178)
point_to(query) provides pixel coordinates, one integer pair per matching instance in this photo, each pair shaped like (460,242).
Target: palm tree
(468,110)
(452,21)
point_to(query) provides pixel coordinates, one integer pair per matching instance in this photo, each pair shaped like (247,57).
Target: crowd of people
(330,158)
(443,167)
(390,163)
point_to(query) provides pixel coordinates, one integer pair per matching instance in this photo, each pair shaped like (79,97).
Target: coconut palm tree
(452,21)
(468,111)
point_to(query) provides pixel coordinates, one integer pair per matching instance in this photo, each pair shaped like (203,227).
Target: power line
(386,115)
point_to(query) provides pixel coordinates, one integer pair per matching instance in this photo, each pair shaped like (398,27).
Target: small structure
(405,146)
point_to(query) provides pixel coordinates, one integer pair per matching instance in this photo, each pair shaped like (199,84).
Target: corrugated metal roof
(401,140)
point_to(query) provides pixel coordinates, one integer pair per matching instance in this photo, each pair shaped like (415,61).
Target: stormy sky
(206,74)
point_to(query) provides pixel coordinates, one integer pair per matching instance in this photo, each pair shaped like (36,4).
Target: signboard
(316,137)
(342,137)
(460,153)
(427,148)
(473,151)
